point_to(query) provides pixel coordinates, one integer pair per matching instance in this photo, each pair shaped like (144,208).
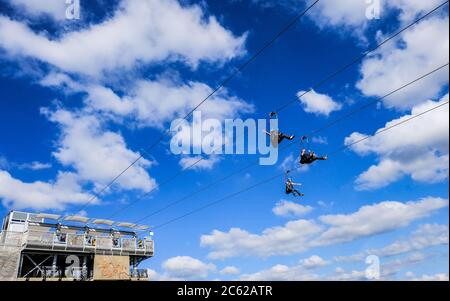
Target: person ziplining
(308,157)
(276,137)
(290,187)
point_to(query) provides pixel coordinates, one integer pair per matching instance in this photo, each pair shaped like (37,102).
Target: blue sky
(80,99)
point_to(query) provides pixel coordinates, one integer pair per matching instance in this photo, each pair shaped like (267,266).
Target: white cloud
(347,13)
(393,267)
(286,209)
(374,219)
(300,235)
(350,258)
(290,163)
(425,236)
(152,275)
(185,267)
(426,277)
(302,272)
(152,103)
(418,149)
(289,239)
(411,8)
(40,195)
(313,262)
(388,269)
(36,8)
(320,104)
(299,272)
(229,270)
(421,49)
(96,154)
(35,165)
(139,32)
(280,272)
(319,140)
(343,275)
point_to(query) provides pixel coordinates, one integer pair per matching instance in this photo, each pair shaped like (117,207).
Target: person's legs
(282,136)
(320,158)
(295,192)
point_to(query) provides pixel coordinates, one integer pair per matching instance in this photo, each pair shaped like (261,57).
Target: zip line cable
(167,181)
(255,162)
(278,175)
(346,66)
(286,28)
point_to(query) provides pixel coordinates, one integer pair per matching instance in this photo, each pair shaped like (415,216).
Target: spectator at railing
(115,239)
(61,237)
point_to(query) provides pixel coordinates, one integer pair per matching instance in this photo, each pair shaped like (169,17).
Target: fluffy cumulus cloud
(320,104)
(357,15)
(35,165)
(185,268)
(418,149)
(300,235)
(389,270)
(421,49)
(83,141)
(39,195)
(151,103)
(426,277)
(409,9)
(98,62)
(230,270)
(313,262)
(286,209)
(374,219)
(312,269)
(147,31)
(347,13)
(281,272)
(283,240)
(427,235)
(303,271)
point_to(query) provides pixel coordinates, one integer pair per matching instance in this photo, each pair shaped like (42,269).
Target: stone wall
(111,267)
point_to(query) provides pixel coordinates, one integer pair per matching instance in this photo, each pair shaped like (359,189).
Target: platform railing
(76,242)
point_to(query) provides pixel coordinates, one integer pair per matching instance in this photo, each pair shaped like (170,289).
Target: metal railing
(75,273)
(41,240)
